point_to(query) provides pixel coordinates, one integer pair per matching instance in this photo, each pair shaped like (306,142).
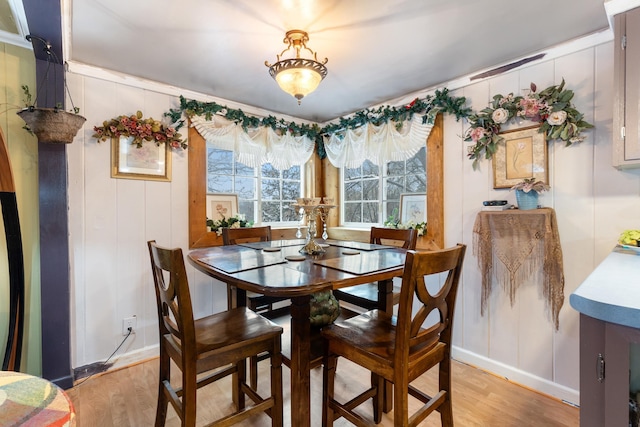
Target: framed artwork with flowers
(148,161)
(520,154)
(221,206)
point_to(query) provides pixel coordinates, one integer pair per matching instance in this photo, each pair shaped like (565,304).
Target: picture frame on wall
(522,154)
(150,162)
(413,207)
(221,205)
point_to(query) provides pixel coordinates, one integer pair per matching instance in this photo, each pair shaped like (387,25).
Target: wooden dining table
(277,268)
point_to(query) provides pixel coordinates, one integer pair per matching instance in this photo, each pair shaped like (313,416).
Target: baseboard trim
(517,376)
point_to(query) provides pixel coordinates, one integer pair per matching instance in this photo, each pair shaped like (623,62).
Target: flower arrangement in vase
(527,192)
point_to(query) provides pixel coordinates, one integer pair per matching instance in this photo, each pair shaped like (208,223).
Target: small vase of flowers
(527,192)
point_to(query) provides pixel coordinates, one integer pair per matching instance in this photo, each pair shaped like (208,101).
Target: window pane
(369,169)
(352,212)
(418,163)
(395,187)
(289,214)
(244,170)
(270,189)
(393,209)
(292,173)
(350,174)
(270,211)
(370,189)
(269,171)
(290,190)
(245,187)
(370,212)
(416,184)
(353,191)
(219,184)
(247,208)
(395,168)
(219,161)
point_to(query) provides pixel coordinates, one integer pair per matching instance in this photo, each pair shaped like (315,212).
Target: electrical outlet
(129,322)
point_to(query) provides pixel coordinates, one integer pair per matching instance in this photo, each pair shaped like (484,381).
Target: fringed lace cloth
(512,245)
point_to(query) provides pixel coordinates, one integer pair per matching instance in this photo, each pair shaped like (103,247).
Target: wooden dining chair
(400,349)
(259,303)
(233,236)
(217,345)
(366,295)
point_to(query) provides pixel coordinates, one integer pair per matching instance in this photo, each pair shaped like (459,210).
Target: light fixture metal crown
(297,76)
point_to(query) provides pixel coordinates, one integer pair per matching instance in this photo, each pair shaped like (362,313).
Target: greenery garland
(552,108)
(429,107)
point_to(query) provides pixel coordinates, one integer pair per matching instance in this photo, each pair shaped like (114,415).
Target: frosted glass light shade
(297,76)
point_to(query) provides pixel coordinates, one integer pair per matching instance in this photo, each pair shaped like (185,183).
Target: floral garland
(552,108)
(429,107)
(140,129)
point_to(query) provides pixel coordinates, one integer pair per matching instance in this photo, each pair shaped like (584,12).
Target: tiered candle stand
(311,214)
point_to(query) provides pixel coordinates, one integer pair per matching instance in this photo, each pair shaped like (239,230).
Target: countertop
(612,291)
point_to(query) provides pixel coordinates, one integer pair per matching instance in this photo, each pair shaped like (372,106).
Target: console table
(512,245)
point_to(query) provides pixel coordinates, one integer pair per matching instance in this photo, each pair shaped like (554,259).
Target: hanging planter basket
(52,125)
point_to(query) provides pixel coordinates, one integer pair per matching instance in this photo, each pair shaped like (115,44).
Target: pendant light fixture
(297,76)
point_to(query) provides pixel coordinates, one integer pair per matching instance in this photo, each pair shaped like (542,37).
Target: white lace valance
(256,146)
(378,144)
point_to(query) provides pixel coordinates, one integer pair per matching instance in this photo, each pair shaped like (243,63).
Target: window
(265,194)
(370,197)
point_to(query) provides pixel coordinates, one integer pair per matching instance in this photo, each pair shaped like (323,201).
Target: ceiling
(377,50)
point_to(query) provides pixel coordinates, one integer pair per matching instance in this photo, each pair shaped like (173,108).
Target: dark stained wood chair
(259,303)
(366,295)
(232,236)
(400,349)
(217,345)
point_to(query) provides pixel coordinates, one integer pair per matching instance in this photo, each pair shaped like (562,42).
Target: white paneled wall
(111,220)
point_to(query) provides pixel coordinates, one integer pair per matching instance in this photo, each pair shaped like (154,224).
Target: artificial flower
(236,221)
(530,184)
(500,115)
(557,118)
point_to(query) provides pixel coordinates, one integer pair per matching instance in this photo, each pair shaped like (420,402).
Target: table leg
(385,303)
(235,298)
(300,362)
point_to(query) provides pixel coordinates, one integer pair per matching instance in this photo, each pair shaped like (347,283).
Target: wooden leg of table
(385,303)
(300,362)
(235,298)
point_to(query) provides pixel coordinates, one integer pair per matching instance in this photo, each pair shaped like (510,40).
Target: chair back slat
(175,312)
(233,236)
(411,332)
(390,236)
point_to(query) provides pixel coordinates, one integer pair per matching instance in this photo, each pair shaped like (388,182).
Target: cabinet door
(618,340)
(592,387)
(626,129)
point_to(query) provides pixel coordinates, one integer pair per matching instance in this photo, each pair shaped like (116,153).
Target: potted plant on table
(527,192)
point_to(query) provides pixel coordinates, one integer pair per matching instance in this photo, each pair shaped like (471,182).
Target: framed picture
(522,154)
(221,205)
(413,207)
(149,162)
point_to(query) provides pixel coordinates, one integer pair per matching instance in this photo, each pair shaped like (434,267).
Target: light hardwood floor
(127,397)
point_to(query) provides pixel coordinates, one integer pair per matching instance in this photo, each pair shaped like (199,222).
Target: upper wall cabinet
(626,117)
